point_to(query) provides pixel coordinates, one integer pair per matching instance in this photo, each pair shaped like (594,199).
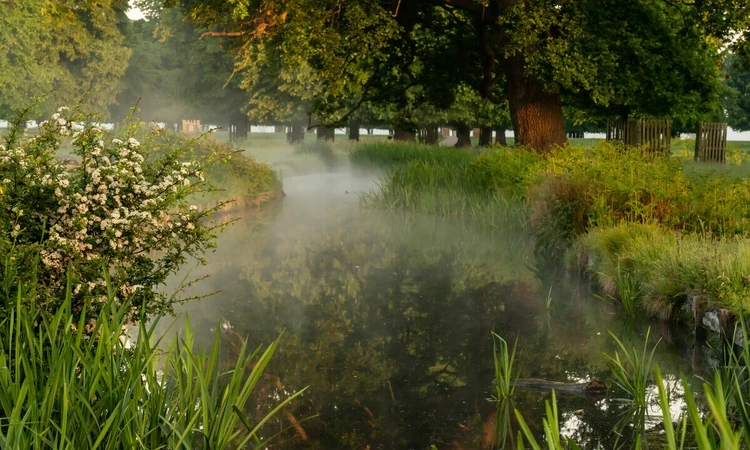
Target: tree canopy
(737,95)
(67,50)
(601,57)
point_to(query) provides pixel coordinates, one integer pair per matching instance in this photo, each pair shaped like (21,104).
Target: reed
(505,375)
(631,370)
(66,384)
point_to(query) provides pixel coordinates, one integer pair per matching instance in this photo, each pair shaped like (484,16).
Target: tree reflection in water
(389,320)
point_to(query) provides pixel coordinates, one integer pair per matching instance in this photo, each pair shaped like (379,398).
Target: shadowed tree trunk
(325,133)
(536,114)
(485,136)
(242,126)
(428,135)
(500,137)
(353,131)
(296,133)
(401,134)
(463,133)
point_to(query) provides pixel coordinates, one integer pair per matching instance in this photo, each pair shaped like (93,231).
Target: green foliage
(605,185)
(504,357)
(236,175)
(632,371)
(511,170)
(125,206)
(59,50)
(736,99)
(664,266)
(61,388)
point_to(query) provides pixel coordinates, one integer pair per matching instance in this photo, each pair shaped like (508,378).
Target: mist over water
(388,318)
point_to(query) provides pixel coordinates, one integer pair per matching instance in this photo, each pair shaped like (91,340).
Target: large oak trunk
(536,114)
(463,133)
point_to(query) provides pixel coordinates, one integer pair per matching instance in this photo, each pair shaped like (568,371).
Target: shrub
(234,175)
(125,207)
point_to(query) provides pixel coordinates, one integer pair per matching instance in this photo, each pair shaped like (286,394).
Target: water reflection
(388,318)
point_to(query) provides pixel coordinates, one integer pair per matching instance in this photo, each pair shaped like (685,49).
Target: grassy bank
(234,174)
(646,226)
(656,269)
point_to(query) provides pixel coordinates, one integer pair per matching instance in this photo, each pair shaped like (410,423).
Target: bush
(124,208)
(234,175)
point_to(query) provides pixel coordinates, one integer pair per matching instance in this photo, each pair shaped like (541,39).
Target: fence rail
(654,136)
(711,142)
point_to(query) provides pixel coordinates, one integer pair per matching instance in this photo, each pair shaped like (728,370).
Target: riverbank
(650,231)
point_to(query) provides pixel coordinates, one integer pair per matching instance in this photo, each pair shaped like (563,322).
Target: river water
(388,318)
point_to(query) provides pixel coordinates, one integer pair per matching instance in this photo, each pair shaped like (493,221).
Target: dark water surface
(388,318)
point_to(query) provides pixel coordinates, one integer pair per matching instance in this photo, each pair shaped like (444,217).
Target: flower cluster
(122,212)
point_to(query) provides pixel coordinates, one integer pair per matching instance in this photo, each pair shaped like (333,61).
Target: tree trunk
(400,134)
(500,137)
(353,131)
(296,133)
(463,132)
(326,133)
(243,125)
(429,135)
(536,114)
(485,136)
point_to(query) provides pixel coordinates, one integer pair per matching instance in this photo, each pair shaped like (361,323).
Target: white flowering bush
(123,209)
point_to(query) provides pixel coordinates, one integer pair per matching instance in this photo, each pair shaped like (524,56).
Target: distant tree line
(540,68)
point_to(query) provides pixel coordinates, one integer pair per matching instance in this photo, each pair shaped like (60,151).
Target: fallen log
(592,389)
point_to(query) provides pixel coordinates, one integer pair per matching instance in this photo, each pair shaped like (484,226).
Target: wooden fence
(711,142)
(654,136)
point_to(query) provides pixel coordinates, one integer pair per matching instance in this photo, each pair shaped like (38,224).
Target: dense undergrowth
(683,228)
(235,175)
(85,249)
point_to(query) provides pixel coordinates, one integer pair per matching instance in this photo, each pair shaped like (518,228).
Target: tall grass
(719,422)
(441,181)
(66,385)
(631,370)
(551,425)
(505,376)
(391,154)
(663,267)
(628,290)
